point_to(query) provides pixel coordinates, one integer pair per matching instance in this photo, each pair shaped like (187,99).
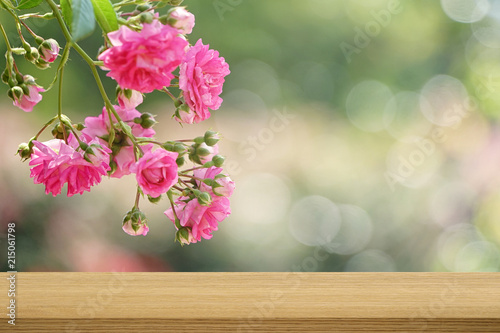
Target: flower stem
(9,48)
(170,94)
(192,169)
(192,177)
(32,33)
(137,198)
(60,69)
(177,221)
(44,127)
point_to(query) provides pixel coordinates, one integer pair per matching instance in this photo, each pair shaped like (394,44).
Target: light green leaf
(26,4)
(67,12)
(83,19)
(105,15)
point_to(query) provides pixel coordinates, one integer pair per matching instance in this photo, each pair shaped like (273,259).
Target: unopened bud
(146,17)
(17,92)
(25,88)
(42,64)
(168,146)
(211,138)
(148,120)
(179,147)
(26,47)
(32,55)
(142,8)
(204,198)
(5,76)
(49,50)
(79,126)
(202,151)
(135,223)
(184,236)
(154,200)
(24,151)
(39,40)
(180,161)
(20,78)
(175,2)
(208,164)
(218,160)
(199,140)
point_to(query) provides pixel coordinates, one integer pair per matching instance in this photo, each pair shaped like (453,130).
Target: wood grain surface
(254,302)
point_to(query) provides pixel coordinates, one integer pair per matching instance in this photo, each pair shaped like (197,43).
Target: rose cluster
(149,53)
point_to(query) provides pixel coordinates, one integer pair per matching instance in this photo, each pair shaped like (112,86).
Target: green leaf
(105,15)
(26,4)
(83,19)
(67,12)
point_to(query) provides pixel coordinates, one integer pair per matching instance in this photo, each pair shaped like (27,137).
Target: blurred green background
(362,136)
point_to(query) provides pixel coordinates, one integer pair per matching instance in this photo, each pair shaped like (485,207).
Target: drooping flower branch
(143,51)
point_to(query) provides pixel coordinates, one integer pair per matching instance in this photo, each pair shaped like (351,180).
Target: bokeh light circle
(366,103)
(444,100)
(403,117)
(355,232)
(465,11)
(314,220)
(371,261)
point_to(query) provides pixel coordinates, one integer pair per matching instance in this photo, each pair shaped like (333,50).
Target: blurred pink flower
(27,101)
(56,163)
(144,60)
(123,154)
(201,78)
(202,220)
(156,172)
(181,19)
(226,188)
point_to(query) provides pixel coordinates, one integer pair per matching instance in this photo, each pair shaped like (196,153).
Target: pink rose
(129,99)
(202,220)
(56,163)
(49,50)
(123,151)
(144,60)
(156,172)
(226,187)
(201,77)
(27,101)
(181,19)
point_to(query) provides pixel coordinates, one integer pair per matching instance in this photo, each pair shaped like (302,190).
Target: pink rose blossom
(49,50)
(124,151)
(226,188)
(129,99)
(156,172)
(56,163)
(201,77)
(144,60)
(28,101)
(181,19)
(214,150)
(201,219)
